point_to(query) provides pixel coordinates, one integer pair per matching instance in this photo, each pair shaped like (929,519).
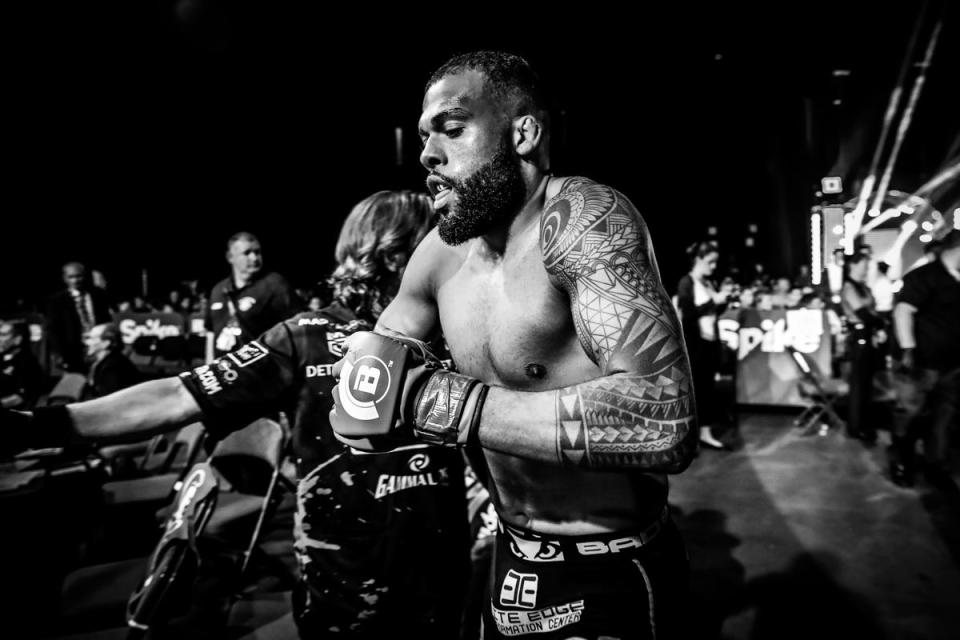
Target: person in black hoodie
(382,540)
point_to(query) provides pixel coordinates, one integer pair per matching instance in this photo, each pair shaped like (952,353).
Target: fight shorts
(615,586)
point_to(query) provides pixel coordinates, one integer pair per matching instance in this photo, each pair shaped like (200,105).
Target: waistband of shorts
(531,546)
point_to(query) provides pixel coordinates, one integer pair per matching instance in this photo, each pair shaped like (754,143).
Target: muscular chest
(505,322)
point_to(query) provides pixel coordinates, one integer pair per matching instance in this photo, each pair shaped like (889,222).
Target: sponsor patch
(598,547)
(318,370)
(208,380)
(335,342)
(248,353)
(418,462)
(519,589)
(389,484)
(534,547)
(312,322)
(518,623)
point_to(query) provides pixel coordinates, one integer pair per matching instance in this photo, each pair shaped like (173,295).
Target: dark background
(141,134)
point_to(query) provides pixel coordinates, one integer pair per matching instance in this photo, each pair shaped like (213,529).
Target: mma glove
(393,390)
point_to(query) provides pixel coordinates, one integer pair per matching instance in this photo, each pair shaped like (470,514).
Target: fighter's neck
(499,239)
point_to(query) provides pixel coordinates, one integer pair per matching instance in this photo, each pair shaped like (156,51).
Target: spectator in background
(187,305)
(759,279)
(699,303)
(248,302)
(110,368)
(883,289)
(803,279)
(794,298)
(22,380)
(172,303)
(202,303)
(925,321)
(780,296)
(139,304)
(863,323)
(71,313)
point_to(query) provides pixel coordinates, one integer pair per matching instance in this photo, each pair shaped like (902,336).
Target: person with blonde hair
(375,243)
(381,539)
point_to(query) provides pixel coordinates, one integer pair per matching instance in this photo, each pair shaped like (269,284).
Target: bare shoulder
(413,311)
(584,220)
(430,262)
(597,249)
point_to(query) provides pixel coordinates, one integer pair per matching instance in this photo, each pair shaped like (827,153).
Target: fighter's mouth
(440,190)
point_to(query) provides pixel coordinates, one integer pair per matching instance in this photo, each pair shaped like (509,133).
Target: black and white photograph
(480,322)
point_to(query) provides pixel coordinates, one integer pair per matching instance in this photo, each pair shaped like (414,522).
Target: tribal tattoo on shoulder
(641,413)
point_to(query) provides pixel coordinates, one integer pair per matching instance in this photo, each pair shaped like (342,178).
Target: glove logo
(359,385)
(366,379)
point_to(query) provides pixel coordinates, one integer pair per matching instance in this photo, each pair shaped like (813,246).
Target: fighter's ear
(527,134)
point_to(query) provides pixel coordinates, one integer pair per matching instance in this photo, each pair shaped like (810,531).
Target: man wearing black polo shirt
(925,318)
(248,302)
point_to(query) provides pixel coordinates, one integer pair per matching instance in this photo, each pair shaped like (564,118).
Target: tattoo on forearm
(596,247)
(607,424)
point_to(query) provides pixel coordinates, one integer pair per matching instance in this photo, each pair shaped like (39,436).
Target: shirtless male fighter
(572,387)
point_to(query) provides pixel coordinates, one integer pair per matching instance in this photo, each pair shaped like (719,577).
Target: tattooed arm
(640,413)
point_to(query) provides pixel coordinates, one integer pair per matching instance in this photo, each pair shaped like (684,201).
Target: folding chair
(176,558)
(69,388)
(130,505)
(151,589)
(248,464)
(820,393)
(164,470)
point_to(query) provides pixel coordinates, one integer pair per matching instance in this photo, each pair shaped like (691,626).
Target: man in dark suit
(110,368)
(71,313)
(22,380)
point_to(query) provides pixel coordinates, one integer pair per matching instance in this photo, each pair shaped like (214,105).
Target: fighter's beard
(492,194)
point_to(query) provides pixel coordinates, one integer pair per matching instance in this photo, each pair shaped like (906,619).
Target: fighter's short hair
(508,76)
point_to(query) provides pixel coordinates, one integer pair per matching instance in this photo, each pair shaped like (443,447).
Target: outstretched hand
(15,427)
(908,362)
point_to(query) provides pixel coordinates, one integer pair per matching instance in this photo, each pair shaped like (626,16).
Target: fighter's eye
(453,132)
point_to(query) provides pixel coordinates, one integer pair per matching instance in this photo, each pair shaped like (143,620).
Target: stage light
(925,237)
(838,230)
(905,208)
(909,226)
(873,213)
(816,258)
(927,225)
(850,225)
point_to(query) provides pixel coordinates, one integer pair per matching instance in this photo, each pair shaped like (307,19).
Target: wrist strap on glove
(447,409)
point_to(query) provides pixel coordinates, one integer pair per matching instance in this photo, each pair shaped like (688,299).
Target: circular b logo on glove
(363,384)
